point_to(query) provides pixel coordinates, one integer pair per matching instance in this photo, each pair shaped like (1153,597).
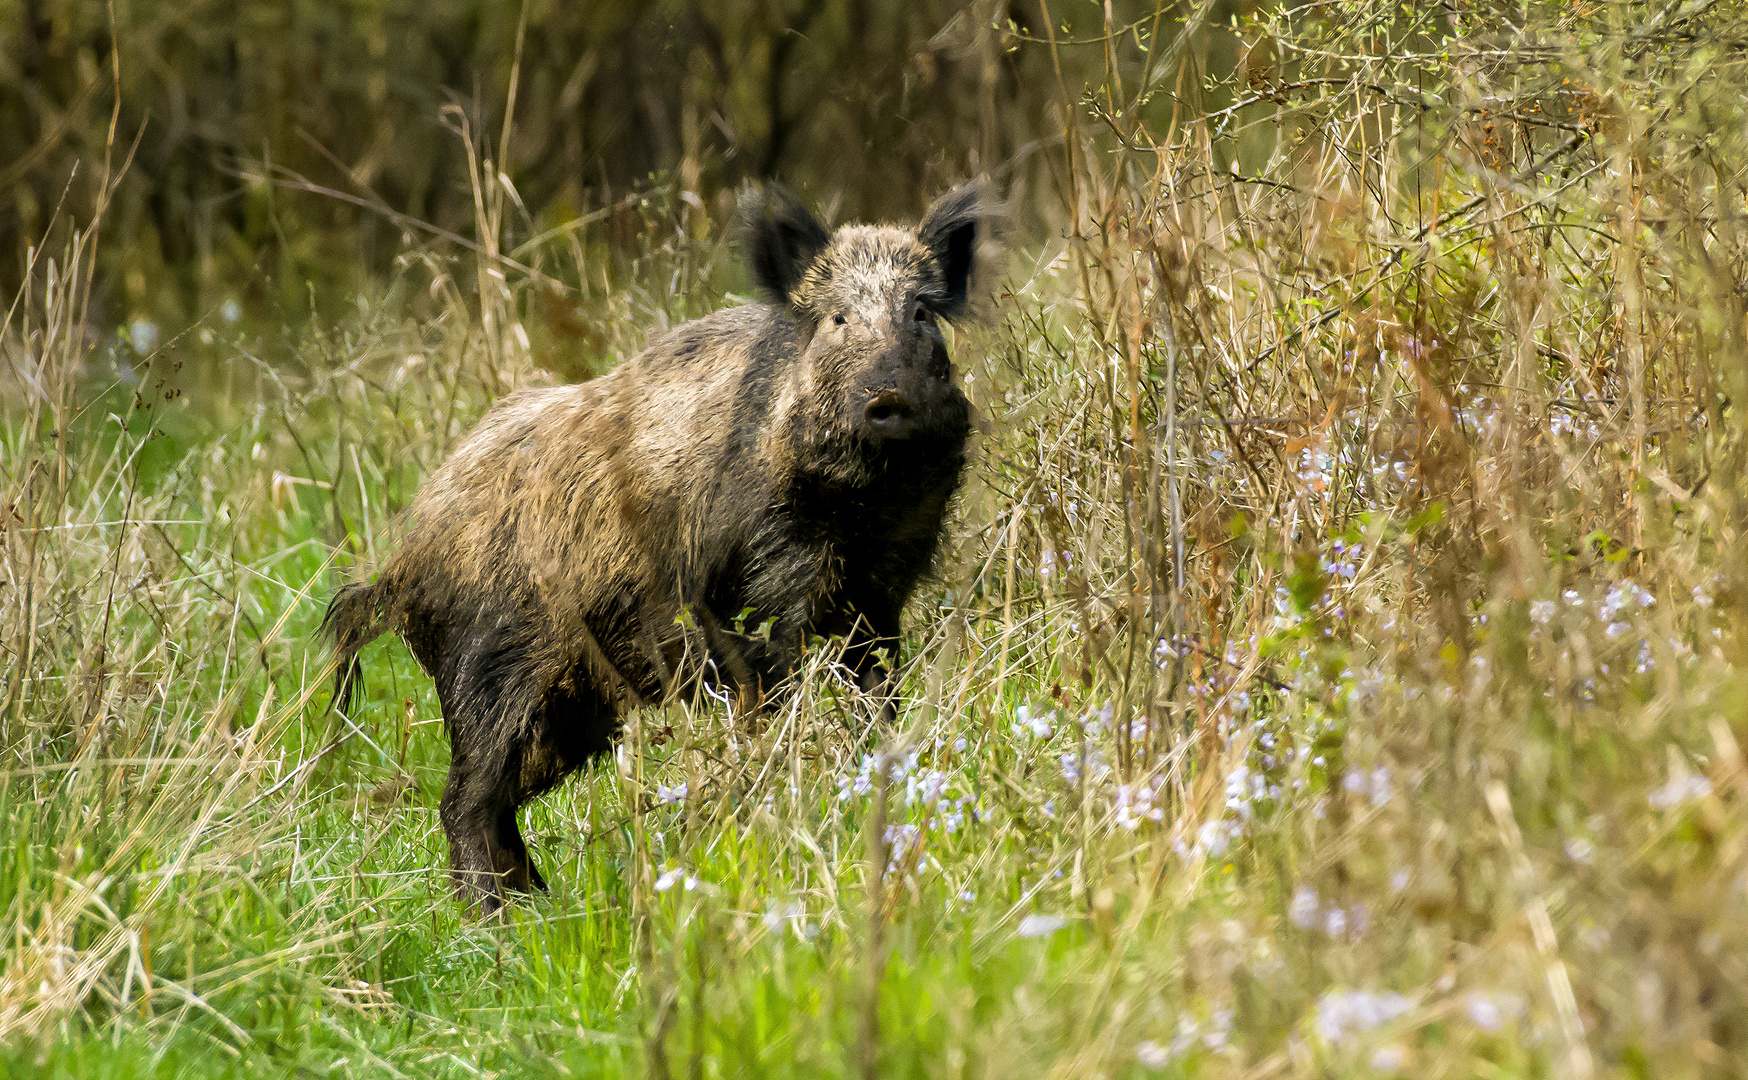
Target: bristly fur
(350,623)
(594,546)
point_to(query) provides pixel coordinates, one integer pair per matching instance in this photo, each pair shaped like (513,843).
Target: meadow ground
(1337,666)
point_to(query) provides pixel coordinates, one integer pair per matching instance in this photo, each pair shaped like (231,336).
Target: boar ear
(781,239)
(950,230)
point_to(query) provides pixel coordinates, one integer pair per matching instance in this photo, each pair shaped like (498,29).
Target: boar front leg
(873,643)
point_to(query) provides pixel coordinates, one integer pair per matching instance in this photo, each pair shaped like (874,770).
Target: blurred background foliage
(281,149)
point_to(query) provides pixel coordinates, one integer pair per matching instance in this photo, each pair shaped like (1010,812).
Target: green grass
(1431,767)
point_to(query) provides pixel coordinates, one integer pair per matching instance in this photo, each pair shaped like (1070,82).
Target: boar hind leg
(552,749)
(573,726)
(487,851)
(476,801)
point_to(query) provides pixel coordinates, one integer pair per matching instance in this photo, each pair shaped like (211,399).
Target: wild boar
(767,473)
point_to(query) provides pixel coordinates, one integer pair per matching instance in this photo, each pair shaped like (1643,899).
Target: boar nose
(888,415)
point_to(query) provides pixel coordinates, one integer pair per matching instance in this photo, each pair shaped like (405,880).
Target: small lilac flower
(1335,922)
(1036,726)
(782,913)
(1344,1012)
(1151,1055)
(1389,1058)
(1374,785)
(1489,1012)
(1680,789)
(1213,839)
(1035,926)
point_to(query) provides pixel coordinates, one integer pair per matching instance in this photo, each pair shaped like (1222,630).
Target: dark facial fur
(795,457)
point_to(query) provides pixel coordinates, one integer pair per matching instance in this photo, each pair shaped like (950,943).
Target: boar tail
(354,619)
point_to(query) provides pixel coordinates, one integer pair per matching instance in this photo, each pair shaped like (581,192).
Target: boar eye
(838,319)
(922,312)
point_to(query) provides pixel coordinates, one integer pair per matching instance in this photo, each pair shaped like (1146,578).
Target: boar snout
(888,416)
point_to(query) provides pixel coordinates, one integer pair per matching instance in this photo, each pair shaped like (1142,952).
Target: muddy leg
(870,640)
(573,725)
(877,683)
(536,773)
(475,801)
(520,875)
